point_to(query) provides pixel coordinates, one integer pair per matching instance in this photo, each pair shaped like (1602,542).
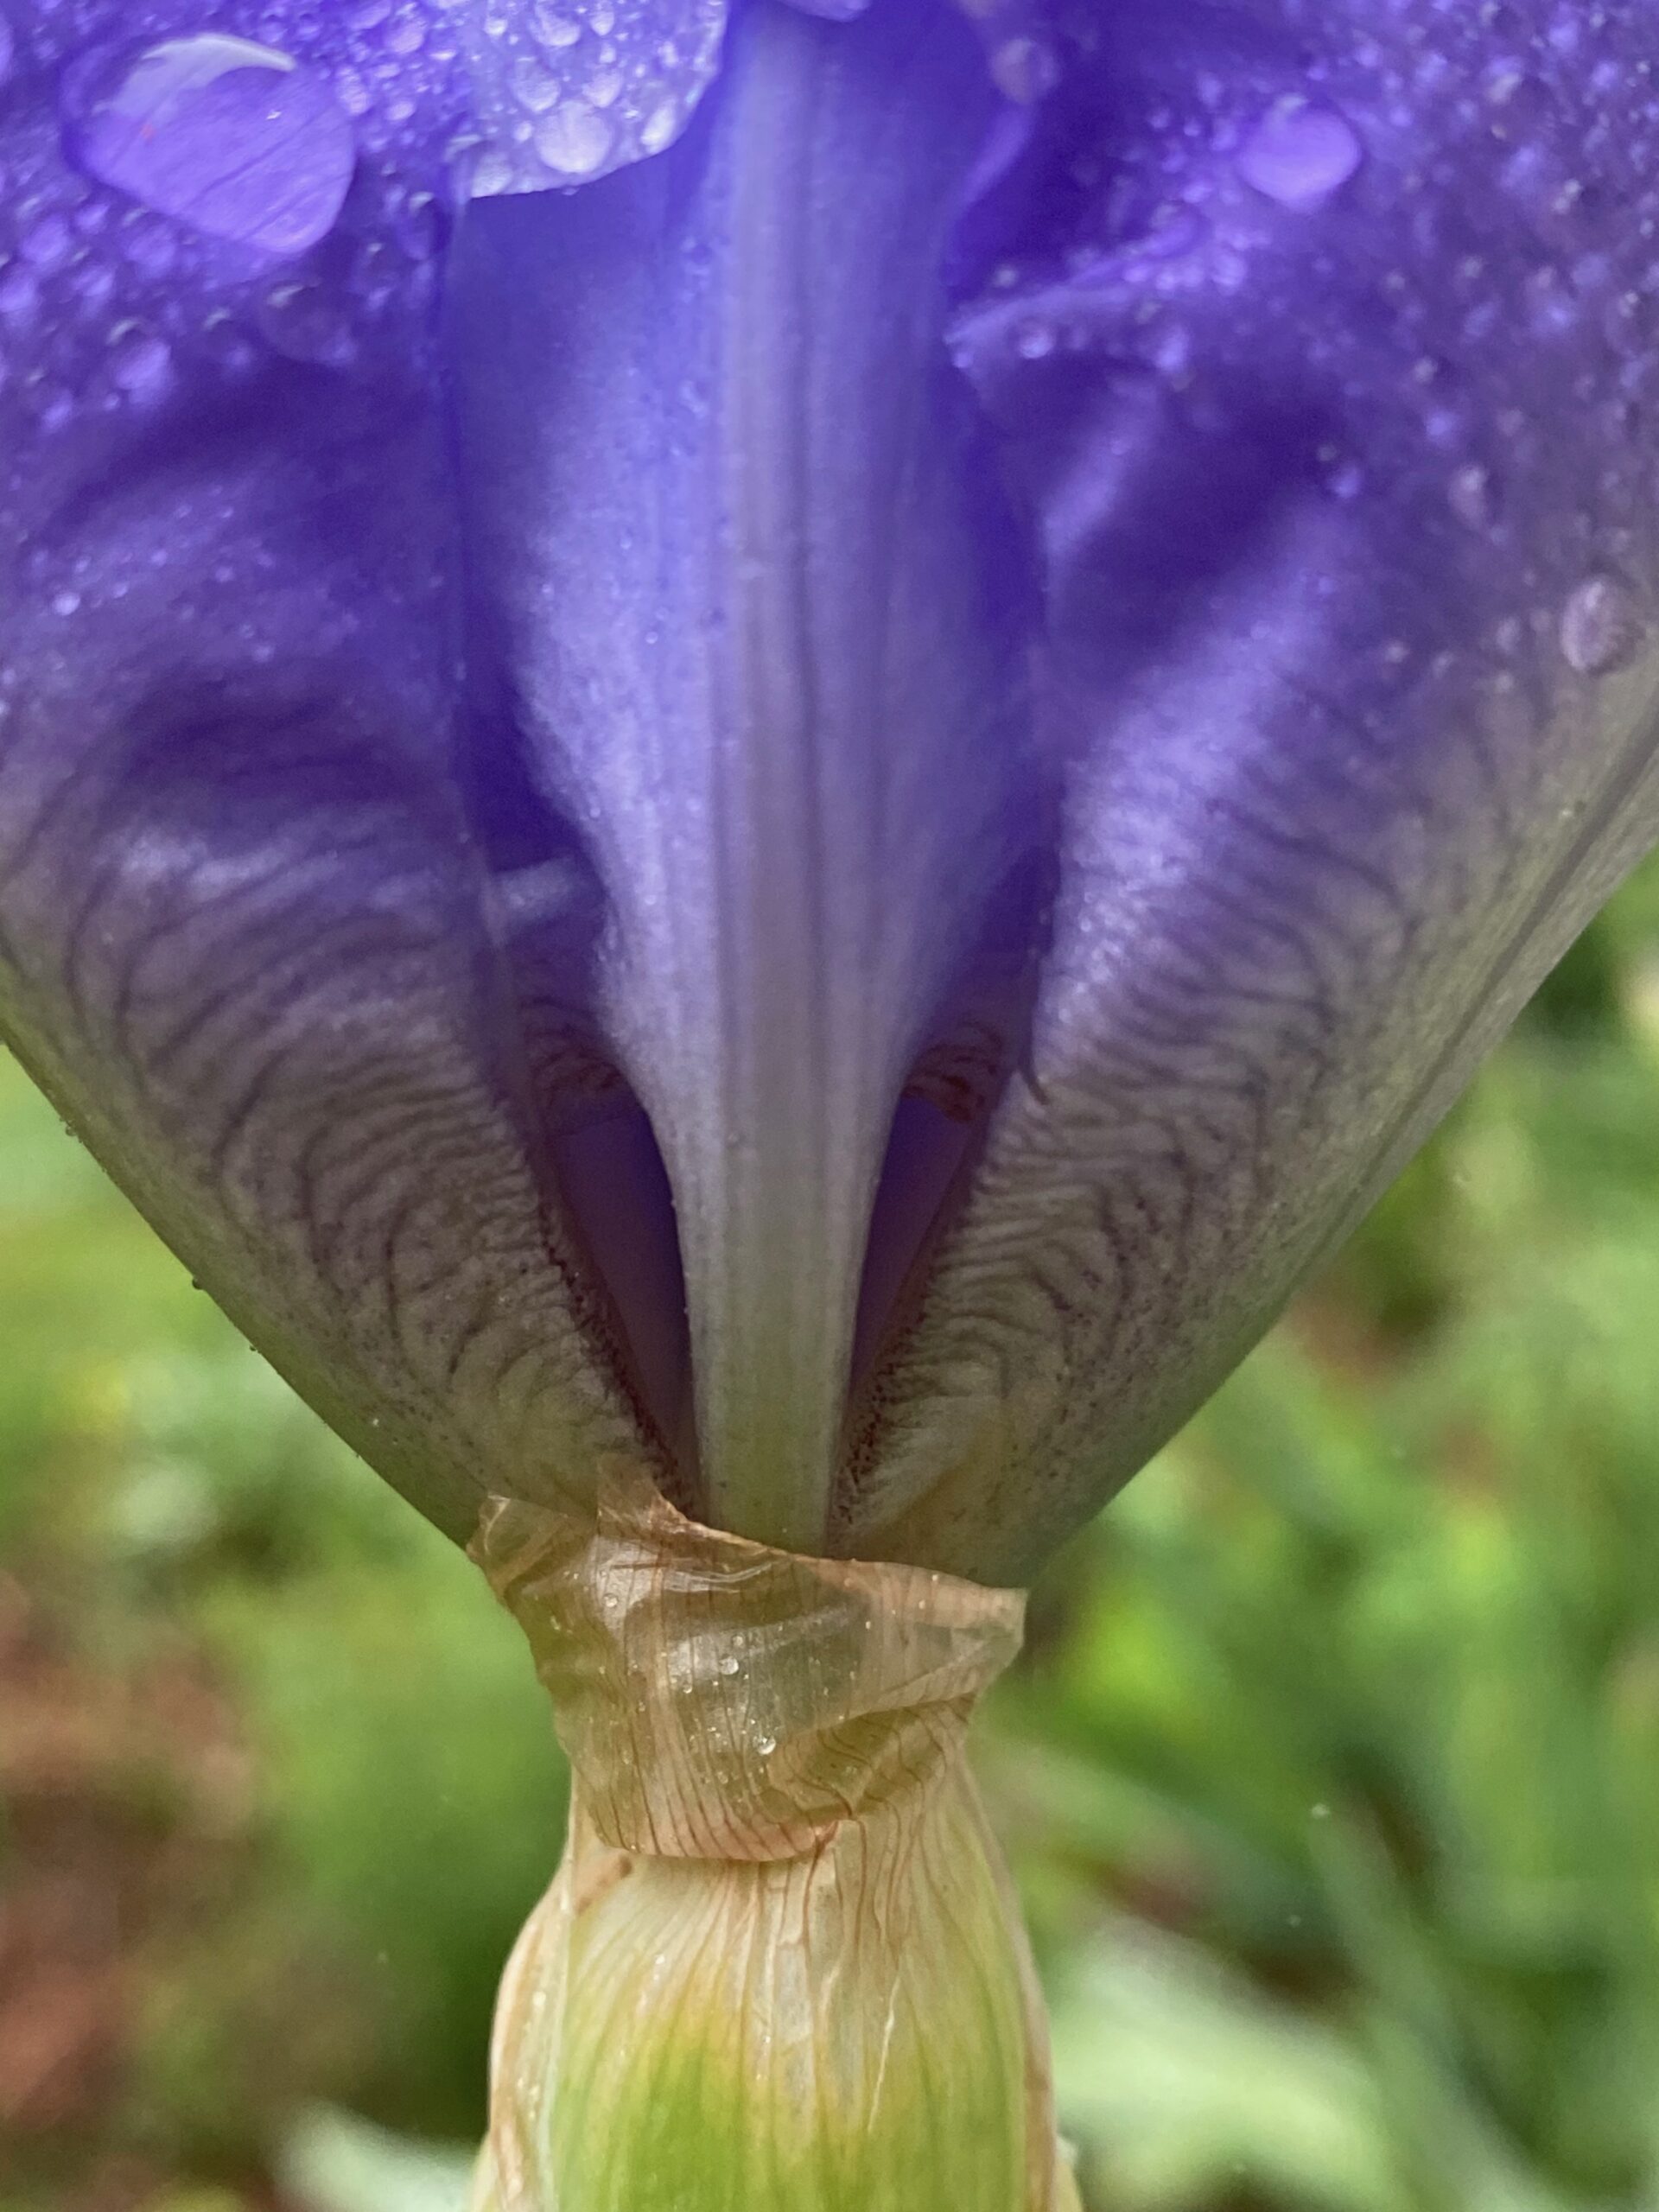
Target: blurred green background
(1331,1776)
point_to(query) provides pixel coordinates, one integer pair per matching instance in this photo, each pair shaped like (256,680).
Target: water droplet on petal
(833,12)
(1300,153)
(1470,495)
(533,86)
(47,243)
(659,126)
(574,140)
(1024,70)
(20,295)
(140,362)
(1600,626)
(304,322)
(239,141)
(563,90)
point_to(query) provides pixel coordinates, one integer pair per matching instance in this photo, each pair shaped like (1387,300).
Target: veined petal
(1328,375)
(762,608)
(248,939)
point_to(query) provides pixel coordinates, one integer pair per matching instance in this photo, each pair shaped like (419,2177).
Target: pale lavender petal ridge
(763,609)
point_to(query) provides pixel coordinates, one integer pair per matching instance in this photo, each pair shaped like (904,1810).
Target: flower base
(779,1970)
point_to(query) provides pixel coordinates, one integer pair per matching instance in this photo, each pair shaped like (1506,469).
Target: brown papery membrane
(780,1968)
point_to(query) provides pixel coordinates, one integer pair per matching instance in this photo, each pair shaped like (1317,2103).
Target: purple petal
(733,514)
(1324,349)
(249,938)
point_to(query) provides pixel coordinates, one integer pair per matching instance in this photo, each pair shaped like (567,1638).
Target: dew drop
(533,86)
(140,362)
(659,126)
(305,323)
(149,247)
(20,295)
(556,30)
(239,141)
(833,12)
(1024,70)
(1470,495)
(766,1745)
(1600,628)
(1504,80)
(574,139)
(1299,154)
(47,243)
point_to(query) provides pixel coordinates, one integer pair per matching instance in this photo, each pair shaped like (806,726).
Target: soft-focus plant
(752,769)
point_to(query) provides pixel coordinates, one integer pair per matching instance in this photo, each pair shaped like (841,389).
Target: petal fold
(763,612)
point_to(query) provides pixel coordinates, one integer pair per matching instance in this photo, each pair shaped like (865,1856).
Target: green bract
(781,1960)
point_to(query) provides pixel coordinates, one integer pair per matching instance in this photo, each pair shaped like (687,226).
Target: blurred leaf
(334,2162)
(1183,2085)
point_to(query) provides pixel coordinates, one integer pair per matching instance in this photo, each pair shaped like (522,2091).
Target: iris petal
(1325,354)
(249,938)
(763,613)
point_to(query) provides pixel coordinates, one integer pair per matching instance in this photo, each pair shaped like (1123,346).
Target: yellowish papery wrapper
(780,1968)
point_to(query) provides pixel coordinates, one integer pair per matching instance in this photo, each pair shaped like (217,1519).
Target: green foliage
(1335,1786)
(335,1906)
(1331,1777)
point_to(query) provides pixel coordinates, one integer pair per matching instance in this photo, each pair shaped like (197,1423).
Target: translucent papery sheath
(816,811)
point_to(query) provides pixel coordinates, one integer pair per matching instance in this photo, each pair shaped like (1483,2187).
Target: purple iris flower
(804,744)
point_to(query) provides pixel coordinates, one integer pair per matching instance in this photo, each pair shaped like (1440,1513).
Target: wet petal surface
(252,936)
(1325,345)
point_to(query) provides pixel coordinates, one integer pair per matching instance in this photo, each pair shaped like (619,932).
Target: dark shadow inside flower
(598,1148)
(980,1043)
